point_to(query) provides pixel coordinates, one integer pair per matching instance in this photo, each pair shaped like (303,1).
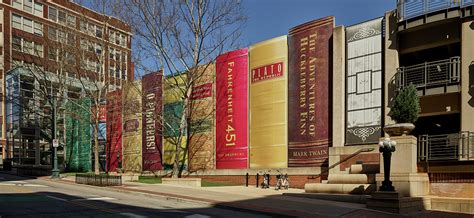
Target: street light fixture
(387,146)
(54,143)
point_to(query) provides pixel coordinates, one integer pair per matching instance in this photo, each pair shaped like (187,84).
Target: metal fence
(98,180)
(457,146)
(430,74)
(412,8)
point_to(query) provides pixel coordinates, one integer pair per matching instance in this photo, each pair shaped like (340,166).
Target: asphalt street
(29,197)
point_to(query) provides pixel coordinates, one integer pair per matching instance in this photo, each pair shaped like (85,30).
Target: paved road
(22,197)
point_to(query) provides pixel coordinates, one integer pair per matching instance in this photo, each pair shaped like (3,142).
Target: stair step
(364,169)
(351,178)
(340,188)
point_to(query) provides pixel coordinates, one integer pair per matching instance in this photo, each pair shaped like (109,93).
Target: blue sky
(272,18)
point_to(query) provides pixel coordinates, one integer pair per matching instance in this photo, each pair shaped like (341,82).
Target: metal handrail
(412,8)
(434,73)
(341,161)
(456,146)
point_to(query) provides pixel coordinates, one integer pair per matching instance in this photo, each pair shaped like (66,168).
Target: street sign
(55,143)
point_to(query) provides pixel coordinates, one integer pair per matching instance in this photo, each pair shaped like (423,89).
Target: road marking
(132,215)
(60,199)
(22,184)
(95,199)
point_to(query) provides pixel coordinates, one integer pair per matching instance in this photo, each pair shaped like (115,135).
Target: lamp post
(387,146)
(55,171)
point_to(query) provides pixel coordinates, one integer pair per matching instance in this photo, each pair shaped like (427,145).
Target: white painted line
(132,215)
(95,199)
(23,185)
(60,199)
(34,185)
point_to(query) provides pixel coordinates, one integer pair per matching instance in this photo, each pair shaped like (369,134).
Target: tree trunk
(96,146)
(183,128)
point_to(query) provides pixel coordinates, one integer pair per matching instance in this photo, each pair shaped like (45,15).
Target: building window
(62,17)
(27,25)
(71,39)
(38,29)
(71,21)
(98,49)
(83,44)
(111,72)
(112,36)
(62,36)
(38,9)
(16,43)
(16,21)
(52,33)
(18,4)
(98,31)
(28,47)
(53,54)
(83,26)
(28,6)
(52,13)
(70,58)
(39,50)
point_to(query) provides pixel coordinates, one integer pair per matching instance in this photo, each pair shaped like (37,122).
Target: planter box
(192,182)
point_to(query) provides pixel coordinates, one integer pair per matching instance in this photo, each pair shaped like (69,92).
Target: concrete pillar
(467,75)
(404,175)
(338,86)
(391,62)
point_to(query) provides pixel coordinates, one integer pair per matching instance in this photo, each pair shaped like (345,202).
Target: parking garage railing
(446,147)
(412,8)
(430,74)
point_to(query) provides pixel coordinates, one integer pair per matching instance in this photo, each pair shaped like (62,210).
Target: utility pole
(55,171)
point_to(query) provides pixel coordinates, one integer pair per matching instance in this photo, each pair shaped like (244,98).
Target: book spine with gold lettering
(308,93)
(232,110)
(152,98)
(132,128)
(201,149)
(268,79)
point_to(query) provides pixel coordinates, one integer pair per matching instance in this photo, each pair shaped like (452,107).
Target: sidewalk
(265,201)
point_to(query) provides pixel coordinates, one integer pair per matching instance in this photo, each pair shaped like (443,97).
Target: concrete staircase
(357,179)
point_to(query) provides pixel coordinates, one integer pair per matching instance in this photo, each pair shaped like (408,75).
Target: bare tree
(71,57)
(183,37)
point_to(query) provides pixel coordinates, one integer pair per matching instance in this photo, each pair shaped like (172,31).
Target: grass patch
(149,179)
(205,183)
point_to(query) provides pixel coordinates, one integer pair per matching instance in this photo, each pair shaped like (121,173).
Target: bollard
(247,180)
(256,177)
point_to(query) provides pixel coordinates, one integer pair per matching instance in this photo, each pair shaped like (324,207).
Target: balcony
(408,9)
(447,147)
(440,76)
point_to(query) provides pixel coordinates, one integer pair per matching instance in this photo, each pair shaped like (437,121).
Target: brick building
(59,37)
